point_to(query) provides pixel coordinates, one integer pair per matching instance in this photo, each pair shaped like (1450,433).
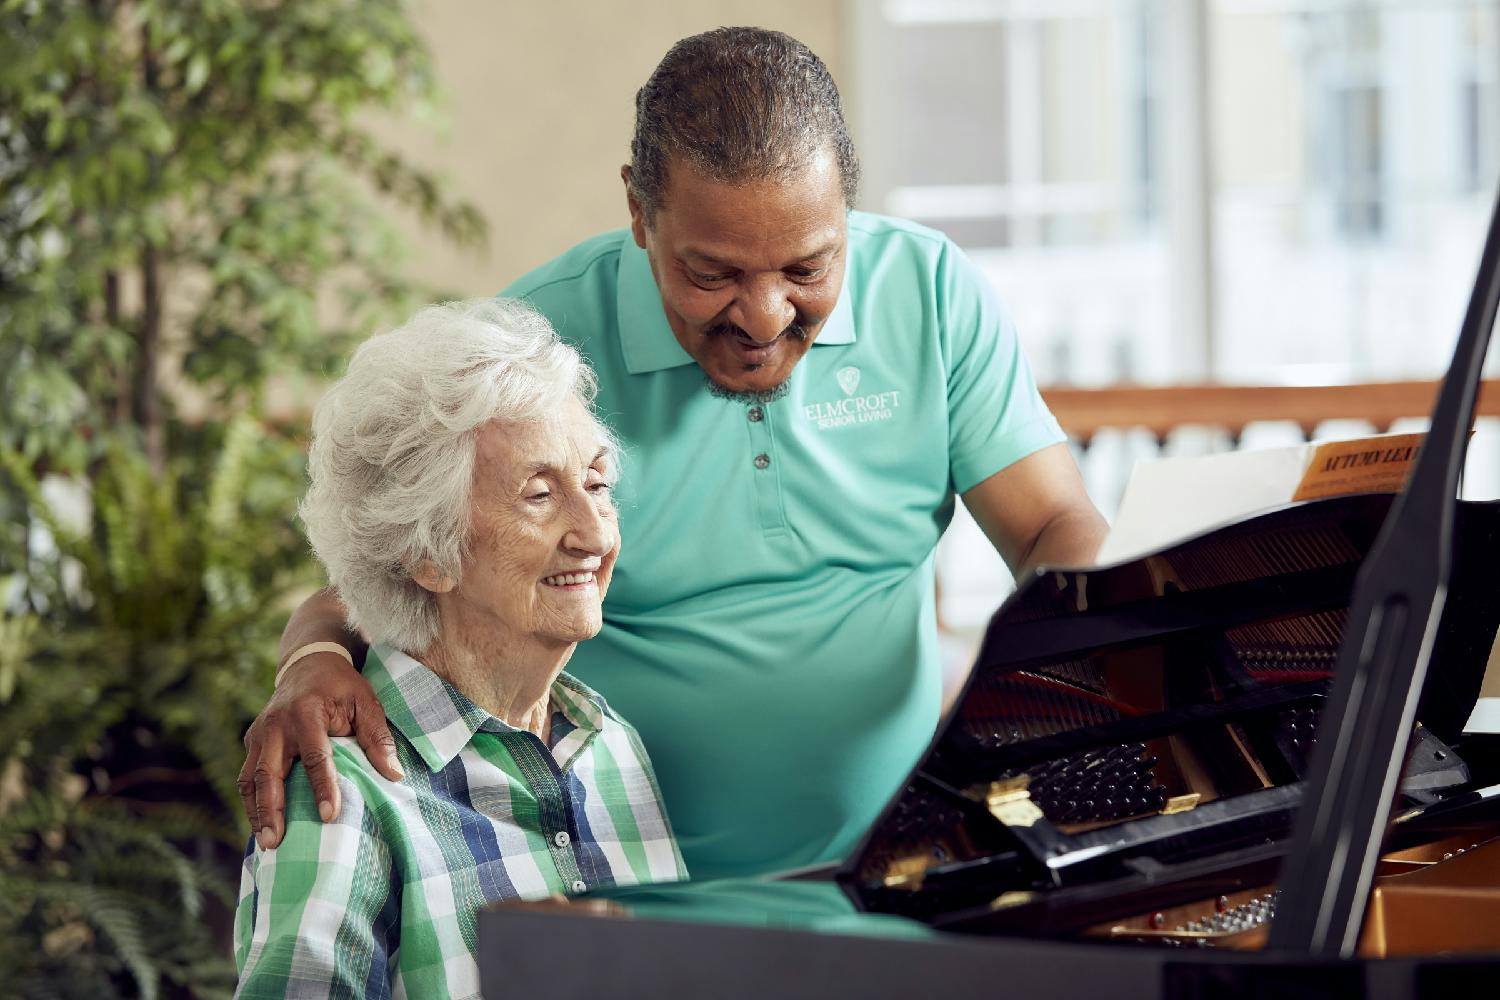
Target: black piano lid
(1302,563)
(1398,601)
(1296,563)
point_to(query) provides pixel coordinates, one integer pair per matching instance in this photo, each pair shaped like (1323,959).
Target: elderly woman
(460,500)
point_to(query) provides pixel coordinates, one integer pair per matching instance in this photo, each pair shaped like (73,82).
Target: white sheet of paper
(1174,498)
(1485,718)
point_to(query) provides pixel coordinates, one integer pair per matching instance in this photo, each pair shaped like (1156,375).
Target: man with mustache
(800,390)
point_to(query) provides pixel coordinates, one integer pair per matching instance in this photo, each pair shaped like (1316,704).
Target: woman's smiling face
(543,536)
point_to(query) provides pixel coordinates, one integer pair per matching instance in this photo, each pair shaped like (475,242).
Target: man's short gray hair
(391,467)
(737,104)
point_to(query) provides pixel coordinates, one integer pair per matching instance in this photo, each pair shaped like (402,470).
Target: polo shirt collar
(438,721)
(647,339)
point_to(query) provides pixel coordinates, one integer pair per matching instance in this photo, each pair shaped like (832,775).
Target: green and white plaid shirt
(382,901)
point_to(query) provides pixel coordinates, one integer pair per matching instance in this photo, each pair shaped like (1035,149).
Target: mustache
(795,331)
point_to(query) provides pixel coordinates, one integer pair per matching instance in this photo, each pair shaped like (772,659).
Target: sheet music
(1171,499)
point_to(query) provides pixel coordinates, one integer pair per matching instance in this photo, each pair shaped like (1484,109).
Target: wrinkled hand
(556,902)
(320,696)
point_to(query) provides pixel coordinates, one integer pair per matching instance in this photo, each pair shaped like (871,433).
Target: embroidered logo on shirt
(853,409)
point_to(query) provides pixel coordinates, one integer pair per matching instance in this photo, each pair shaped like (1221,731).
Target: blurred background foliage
(189,207)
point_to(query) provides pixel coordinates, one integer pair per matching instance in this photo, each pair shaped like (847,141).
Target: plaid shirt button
(580,885)
(561,839)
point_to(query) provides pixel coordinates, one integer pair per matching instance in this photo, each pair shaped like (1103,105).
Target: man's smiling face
(748,272)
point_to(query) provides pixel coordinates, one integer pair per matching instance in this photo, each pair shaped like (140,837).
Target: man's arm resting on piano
(319,696)
(1037,513)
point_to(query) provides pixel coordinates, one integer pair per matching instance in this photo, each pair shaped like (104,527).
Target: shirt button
(756,414)
(580,885)
(561,839)
(762,461)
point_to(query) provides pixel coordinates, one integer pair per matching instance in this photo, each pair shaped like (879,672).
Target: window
(1259,191)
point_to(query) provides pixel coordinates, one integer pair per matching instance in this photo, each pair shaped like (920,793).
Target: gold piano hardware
(1006,900)
(906,873)
(1181,803)
(1009,801)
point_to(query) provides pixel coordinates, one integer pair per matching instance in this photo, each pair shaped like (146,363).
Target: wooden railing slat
(1160,409)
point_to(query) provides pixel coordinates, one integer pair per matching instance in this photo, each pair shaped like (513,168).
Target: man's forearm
(1036,512)
(322,618)
(1070,539)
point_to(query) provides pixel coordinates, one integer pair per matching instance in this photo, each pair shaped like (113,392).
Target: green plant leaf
(197,73)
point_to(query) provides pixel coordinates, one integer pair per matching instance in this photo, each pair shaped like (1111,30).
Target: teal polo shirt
(770,628)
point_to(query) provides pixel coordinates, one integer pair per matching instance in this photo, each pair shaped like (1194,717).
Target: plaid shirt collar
(439,721)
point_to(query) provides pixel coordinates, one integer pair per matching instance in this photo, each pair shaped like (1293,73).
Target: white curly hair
(391,465)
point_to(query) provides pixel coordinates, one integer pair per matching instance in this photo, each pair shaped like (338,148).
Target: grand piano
(1233,767)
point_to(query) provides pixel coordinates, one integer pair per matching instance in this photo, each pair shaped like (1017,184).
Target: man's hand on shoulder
(321,695)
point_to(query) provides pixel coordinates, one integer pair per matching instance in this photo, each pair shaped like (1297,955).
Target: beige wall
(538,114)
